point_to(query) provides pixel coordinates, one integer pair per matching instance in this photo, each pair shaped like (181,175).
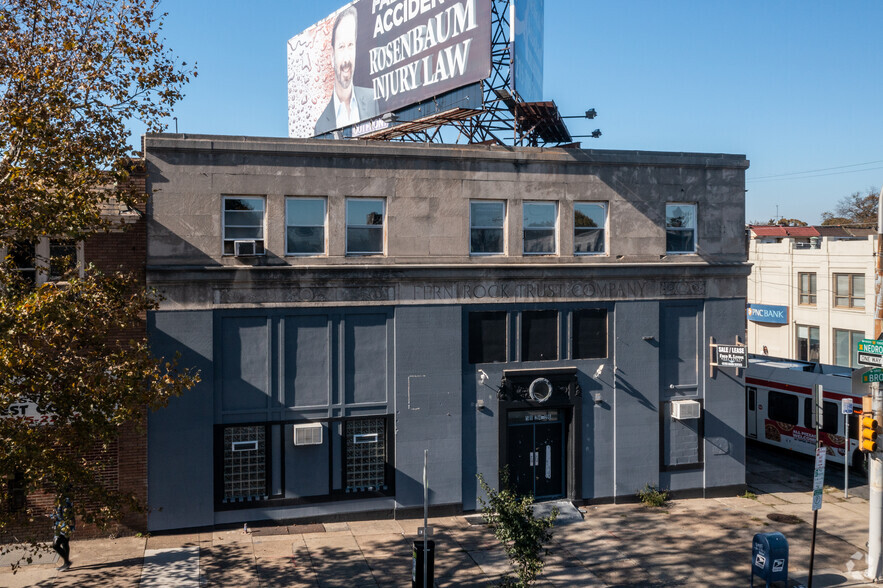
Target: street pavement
(690,542)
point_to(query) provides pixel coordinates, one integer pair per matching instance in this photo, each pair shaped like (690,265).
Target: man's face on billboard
(344,52)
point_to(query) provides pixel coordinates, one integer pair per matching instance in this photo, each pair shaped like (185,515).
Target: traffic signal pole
(875,499)
(875,473)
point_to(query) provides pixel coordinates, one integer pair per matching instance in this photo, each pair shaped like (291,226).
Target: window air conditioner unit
(685,409)
(245,248)
(310,434)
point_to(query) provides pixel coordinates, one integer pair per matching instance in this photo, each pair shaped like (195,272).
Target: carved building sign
(462,292)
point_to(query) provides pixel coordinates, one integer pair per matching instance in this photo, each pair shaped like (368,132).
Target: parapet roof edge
(285,145)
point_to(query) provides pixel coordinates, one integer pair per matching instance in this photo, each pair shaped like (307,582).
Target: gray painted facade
(381,350)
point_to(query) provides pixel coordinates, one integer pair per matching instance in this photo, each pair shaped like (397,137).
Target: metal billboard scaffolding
(502,118)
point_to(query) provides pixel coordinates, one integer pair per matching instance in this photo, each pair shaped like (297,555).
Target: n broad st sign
(870,352)
(729,356)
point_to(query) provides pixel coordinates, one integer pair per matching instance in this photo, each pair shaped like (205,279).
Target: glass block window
(589,220)
(366,455)
(486,221)
(243,221)
(245,464)
(540,226)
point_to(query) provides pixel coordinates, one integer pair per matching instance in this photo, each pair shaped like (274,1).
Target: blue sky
(796,86)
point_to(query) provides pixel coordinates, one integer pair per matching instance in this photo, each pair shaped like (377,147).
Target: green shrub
(652,495)
(522,535)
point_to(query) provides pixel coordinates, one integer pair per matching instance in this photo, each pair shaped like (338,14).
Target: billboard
(527,18)
(376,56)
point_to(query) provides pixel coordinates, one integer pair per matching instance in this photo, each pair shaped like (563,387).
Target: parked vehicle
(779,407)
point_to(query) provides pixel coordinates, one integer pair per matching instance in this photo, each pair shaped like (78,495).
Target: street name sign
(874,375)
(870,352)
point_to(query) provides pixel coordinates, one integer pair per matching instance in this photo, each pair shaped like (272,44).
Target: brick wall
(124,462)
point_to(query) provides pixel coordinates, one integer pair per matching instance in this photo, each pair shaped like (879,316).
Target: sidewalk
(689,543)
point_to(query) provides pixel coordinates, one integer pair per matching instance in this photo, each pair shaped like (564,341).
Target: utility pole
(875,473)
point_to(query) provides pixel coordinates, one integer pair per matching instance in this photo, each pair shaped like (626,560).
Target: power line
(780,178)
(812,171)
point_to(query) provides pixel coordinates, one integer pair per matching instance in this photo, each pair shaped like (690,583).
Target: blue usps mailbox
(769,558)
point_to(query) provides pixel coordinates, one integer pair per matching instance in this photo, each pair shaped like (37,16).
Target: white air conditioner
(245,248)
(685,409)
(310,434)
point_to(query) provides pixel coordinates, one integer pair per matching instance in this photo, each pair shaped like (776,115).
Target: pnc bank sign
(768,313)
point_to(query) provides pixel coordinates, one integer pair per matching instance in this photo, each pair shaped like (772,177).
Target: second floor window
(23,257)
(364,226)
(540,219)
(680,228)
(243,221)
(807,285)
(849,290)
(589,221)
(486,220)
(304,226)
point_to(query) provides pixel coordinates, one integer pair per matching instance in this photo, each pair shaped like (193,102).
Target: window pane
(487,337)
(588,240)
(782,407)
(364,240)
(858,290)
(842,352)
(677,241)
(842,284)
(245,461)
(244,204)
(366,455)
(539,335)
(536,241)
(62,258)
(364,212)
(243,218)
(589,216)
(830,417)
(305,240)
(590,333)
(486,241)
(487,214)
(539,215)
(680,216)
(305,212)
(243,233)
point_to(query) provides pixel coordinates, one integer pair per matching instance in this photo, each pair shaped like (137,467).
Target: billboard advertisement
(376,56)
(527,27)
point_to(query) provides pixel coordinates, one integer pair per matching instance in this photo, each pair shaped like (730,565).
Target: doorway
(536,452)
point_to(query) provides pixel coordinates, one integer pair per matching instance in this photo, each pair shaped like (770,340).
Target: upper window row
(46,260)
(849,289)
(306,221)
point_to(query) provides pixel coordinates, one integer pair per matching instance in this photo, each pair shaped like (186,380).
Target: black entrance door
(535,453)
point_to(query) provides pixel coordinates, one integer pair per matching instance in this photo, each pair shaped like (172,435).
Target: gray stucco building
(350,304)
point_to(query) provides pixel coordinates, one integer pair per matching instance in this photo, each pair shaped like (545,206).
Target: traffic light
(868,435)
